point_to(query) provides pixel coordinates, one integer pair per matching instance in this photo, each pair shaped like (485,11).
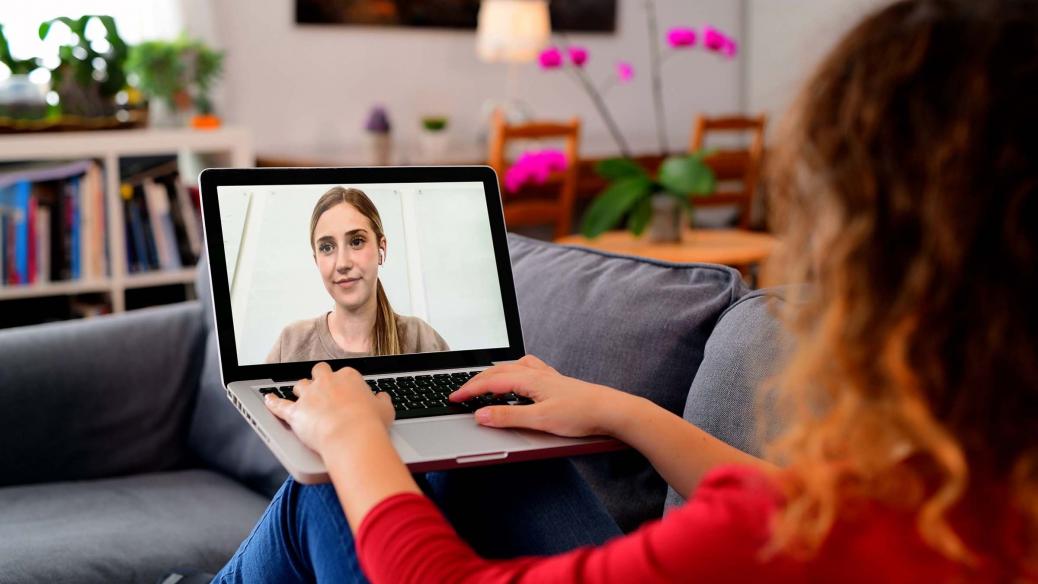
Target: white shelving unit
(109,147)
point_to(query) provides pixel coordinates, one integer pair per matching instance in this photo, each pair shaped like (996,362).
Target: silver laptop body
(424,442)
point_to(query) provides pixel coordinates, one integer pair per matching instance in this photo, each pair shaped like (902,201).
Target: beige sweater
(311,340)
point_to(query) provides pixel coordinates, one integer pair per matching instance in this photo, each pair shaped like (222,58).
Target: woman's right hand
(562,405)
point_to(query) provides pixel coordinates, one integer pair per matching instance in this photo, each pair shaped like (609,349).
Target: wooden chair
(742,165)
(520,210)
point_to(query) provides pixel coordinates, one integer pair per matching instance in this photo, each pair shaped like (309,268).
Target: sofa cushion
(630,323)
(123,530)
(745,349)
(218,435)
(98,398)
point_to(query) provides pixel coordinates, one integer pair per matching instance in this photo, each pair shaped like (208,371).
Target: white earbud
(381,257)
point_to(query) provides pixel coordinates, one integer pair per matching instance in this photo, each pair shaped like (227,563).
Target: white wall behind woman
(312,86)
(786,40)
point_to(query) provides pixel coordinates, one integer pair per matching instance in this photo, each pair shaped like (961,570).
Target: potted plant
(20,98)
(648,201)
(87,80)
(433,139)
(178,76)
(378,129)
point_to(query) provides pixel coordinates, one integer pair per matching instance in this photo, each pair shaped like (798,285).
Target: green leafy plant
(169,70)
(631,190)
(87,80)
(434,123)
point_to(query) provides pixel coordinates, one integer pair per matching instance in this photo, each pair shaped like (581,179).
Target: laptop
(300,257)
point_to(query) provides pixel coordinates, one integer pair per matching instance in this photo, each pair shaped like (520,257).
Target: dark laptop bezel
(212,178)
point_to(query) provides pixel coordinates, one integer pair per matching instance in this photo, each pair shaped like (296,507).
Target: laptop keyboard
(420,396)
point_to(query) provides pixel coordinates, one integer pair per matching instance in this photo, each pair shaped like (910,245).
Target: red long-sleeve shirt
(717,536)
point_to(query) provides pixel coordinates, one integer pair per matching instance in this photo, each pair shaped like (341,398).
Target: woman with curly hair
(907,198)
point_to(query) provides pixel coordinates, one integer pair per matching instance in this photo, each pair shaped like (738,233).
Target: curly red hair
(906,194)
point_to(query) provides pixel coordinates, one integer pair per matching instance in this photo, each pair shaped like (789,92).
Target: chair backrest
(523,211)
(741,165)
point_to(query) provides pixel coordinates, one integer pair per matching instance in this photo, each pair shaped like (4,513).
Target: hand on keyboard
(563,405)
(333,407)
(422,395)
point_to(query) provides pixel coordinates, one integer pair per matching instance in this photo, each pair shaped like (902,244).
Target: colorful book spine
(30,214)
(140,246)
(74,213)
(43,244)
(162,225)
(3,242)
(22,194)
(5,218)
(189,215)
(9,247)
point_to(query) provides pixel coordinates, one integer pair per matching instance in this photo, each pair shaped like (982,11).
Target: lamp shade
(512,31)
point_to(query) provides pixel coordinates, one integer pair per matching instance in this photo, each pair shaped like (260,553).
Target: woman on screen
(349,245)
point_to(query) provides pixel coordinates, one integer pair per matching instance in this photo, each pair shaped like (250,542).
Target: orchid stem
(600,105)
(603,111)
(657,79)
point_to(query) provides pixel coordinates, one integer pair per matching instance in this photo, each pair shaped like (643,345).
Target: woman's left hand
(331,406)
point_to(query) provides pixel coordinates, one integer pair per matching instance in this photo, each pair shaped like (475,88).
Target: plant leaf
(617,168)
(703,153)
(640,217)
(687,175)
(70,23)
(607,210)
(119,48)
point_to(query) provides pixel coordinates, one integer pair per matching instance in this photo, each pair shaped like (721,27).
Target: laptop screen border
(211,178)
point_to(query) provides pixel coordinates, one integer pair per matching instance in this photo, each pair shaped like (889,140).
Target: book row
(54,222)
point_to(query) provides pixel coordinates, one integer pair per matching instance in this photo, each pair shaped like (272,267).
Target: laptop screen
(336,271)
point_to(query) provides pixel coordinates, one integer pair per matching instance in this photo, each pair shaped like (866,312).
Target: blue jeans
(504,511)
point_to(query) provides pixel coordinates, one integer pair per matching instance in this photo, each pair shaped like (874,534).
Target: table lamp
(512,32)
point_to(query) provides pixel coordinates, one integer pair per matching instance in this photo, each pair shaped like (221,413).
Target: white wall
(310,86)
(440,263)
(786,39)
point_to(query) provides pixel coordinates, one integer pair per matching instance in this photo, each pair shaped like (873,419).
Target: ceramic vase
(665,222)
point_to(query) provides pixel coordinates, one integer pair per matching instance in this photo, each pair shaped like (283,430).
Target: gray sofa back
(635,324)
(58,426)
(746,348)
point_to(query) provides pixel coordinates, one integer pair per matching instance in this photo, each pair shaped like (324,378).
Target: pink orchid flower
(730,48)
(550,58)
(578,55)
(625,71)
(534,166)
(713,39)
(681,36)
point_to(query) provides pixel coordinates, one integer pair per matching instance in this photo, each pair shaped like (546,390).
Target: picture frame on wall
(594,16)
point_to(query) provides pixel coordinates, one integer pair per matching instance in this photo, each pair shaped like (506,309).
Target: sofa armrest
(728,397)
(101,397)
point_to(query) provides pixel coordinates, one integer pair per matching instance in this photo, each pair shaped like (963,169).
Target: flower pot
(22,99)
(665,222)
(162,115)
(205,122)
(432,145)
(380,148)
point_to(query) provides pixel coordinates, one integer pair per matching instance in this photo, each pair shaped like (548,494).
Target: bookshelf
(232,146)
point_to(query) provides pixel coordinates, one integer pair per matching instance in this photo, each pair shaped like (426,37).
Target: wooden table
(731,247)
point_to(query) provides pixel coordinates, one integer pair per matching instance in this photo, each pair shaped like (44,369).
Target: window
(137,21)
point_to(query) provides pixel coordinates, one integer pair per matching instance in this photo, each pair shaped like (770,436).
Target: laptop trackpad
(457,436)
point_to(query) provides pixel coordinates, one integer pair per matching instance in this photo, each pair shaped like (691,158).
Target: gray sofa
(122,460)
